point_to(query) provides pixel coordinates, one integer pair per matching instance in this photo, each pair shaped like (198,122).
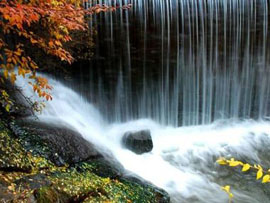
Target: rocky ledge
(42,162)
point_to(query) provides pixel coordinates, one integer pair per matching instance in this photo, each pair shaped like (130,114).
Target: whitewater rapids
(183,159)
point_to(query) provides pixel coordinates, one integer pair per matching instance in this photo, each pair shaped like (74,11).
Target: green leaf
(7,107)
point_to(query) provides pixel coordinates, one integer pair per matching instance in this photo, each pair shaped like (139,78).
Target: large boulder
(56,142)
(61,145)
(21,139)
(139,142)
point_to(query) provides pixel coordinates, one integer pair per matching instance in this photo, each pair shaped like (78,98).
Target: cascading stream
(183,159)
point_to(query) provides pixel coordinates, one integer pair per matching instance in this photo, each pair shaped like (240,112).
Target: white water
(183,159)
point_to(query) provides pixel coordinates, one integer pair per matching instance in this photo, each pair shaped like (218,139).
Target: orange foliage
(45,24)
(56,18)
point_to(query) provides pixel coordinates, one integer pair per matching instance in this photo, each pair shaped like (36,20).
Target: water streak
(182,62)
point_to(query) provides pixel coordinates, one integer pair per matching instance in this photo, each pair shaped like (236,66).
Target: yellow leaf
(33,41)
(246,167)
(222,161)
(235,163)
(259,174)
(6,73)
(14,60)
(7,107)
(11,187)
(17,53)
(266,178)
(3,66)
(12,77)
(226,188)
(57,42)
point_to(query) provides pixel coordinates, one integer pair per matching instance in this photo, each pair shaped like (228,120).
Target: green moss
(49,194)
(82,183)
(88,187)
(12,155)
(34,176)
(30,141)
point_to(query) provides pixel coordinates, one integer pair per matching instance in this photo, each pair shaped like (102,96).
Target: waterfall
(181,62)
(183,159)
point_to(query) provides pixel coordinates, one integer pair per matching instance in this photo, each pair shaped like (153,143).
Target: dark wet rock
(12,156)
(139,142)
(104,167)
(161,195)
(5,195)
(34,181)
(50,195)
(22,106)
(59,144)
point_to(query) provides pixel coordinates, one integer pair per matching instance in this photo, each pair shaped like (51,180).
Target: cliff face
(42,162)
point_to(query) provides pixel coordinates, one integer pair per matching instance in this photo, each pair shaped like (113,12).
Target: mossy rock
(86,186)
(50,194)
(102,167)
(12,156)
(19,106)
(57,143)
(31,177)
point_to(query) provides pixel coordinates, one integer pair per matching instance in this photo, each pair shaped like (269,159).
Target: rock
(22,106)
(161,196)
(12,156)
(139,142)
(105,167)
(50,195)
(104,174)
(59,144)
(34,181)
(5,195)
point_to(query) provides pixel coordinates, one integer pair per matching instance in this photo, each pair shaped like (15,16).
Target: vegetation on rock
(26,177)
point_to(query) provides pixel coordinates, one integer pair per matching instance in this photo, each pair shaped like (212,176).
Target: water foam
(183,159)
